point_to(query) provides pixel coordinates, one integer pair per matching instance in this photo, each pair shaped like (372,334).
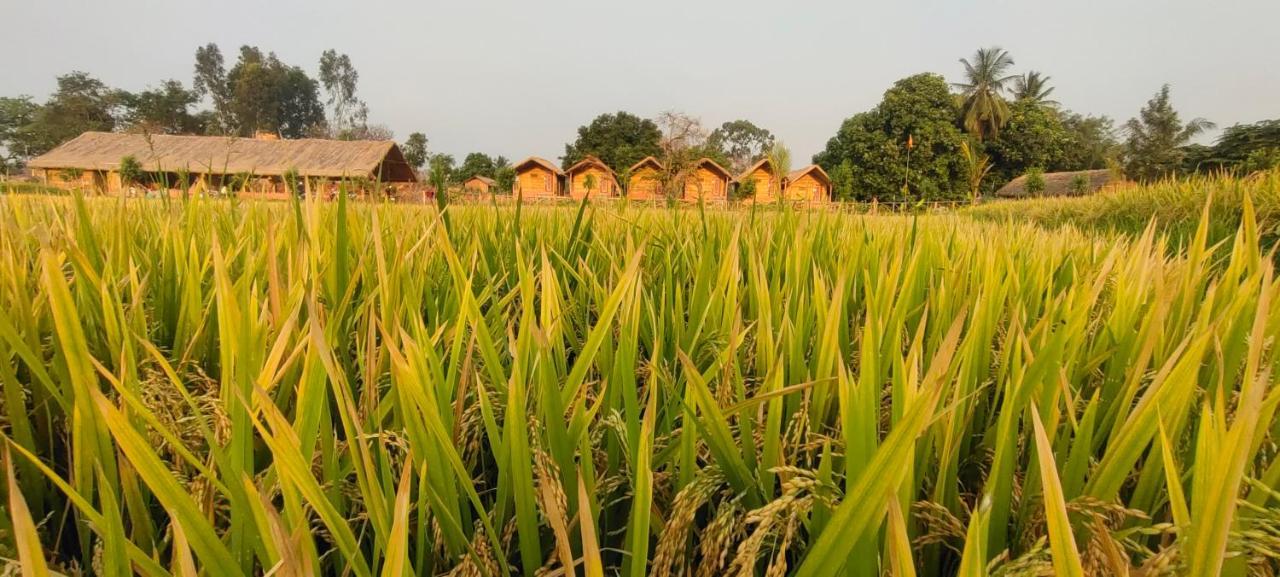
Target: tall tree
(81,103)
(984,110)
(504,174)
(415,150)
(166,109)
(1155,139)
(619,140)
(475,164)
(780,158)
(741,143)
(1091,141)
(1034,87)
(1032,137)
(874,143)
(211,80)
(16,137)
(339,78)
(263,93)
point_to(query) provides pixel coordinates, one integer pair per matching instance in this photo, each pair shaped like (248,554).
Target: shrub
(1079,185)
(130,170)
(1035,182)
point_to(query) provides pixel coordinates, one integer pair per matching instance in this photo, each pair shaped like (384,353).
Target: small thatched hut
(479,184)
(1063,184)
(537,177)
(646,179)
(605,182)
(93,160)
(809,184)
(707,181)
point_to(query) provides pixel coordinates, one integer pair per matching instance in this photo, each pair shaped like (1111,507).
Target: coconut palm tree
(780,161)
(984,110)
(1034,87)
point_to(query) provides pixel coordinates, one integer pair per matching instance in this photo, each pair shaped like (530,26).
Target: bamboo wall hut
(645,182)
(707,181)
(479,184)
(537,177)
(809,184)
(762,174)
(214,163)
(606,183)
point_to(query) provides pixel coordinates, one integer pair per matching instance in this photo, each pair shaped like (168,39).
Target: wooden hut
(707,181)
(762,175)
(93,159)
(646,179)
(537,177)
(605,182)
(809,184)
(479,184)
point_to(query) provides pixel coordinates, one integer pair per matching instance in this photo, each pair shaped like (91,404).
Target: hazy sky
(517,78)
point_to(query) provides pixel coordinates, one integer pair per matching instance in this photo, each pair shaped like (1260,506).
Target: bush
(1079,185)
(130,170)
(1035,182)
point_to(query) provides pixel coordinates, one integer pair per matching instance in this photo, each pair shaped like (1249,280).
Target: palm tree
(984,110)
(1034,87)
(977,165)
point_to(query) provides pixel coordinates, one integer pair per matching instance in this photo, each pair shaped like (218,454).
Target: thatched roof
(716,168)
(762,163)
(232,155)
(482,178)
(649,160)
(815,169)
(537,161)
(588,162)
(1058,183)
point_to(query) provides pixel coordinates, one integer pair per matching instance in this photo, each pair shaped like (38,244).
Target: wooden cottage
(762,175)
(646,179)
(809,184)
(605,182)
(707,181)
(479,184)
(214,163)
(537,178)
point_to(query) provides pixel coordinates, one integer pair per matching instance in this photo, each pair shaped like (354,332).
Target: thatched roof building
(101,153)
(1060,184)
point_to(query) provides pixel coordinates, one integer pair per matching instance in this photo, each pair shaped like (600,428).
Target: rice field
(244,388)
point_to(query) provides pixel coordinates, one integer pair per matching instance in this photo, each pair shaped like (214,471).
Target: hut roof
(484,179)
(587,162)
(232,155)
(539,161)
(646,160)
(1057,183)
(707,162)
(759,164)
(815,169)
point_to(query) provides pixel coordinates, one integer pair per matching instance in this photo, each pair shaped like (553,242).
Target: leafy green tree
(504,174)
(740,143)
(1032,136)
(442,164)
(210,79)
(268,95)
(81,103)
(415,150)
(1033,87)
(984,110)
(1091,141)
(619,140)
(1235,147)
(166,109)
(842,184)
(920,107)
(1261,159)
(1154,146)
(339,78)
(16,137)
(475,163)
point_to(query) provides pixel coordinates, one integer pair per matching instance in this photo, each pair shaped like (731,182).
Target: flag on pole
(911,143)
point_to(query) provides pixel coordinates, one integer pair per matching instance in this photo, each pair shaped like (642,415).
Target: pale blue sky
(518,77)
